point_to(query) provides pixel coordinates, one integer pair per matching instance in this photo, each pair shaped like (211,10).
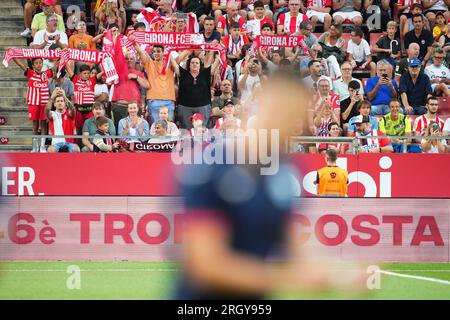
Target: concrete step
(10,72)
(15,119)
(12,41)
(15,148)
(12,92)
(11,108)
(16,82)
(12,23)
(12,101)
(10,11)
(16,131)
(12,29)
(12,3)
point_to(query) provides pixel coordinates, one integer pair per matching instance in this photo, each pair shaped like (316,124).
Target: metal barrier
(354,142)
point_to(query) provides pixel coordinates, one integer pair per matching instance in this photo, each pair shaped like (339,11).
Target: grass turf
(156,280)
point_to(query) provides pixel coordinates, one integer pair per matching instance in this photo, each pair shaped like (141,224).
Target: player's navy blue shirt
(255,207)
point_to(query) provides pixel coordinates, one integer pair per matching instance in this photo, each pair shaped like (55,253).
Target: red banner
(153,174)
(151,228)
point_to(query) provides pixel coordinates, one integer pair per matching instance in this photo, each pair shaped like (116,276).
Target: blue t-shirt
(383,95)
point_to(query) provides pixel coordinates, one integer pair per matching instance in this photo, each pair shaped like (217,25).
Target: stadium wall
(153,174)
(151,228)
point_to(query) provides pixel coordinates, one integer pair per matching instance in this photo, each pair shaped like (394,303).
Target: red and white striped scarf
(91,56)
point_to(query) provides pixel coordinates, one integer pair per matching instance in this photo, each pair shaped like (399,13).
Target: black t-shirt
(385,43)
(344,104)
(195,93)
(424,41)
(214,36)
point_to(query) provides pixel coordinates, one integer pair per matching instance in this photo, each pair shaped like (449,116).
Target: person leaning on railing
(396,124)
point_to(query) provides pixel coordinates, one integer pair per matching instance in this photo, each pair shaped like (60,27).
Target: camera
(319,54)
(435,127)
(385,75)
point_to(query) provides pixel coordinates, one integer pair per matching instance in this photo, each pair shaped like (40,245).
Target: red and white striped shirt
(234,47)
(367,143)
(318,3)
(421,124)
(332,97)
(408,4)
(291,24)
(62,124)
(37,93)
(222,23)
(84,90)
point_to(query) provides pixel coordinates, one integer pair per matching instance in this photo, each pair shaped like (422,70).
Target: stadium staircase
(13,84)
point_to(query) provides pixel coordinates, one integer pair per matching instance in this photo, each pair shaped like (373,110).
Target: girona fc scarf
(24,53)
(209,46)
(169,38)
(104,58)
(280,41)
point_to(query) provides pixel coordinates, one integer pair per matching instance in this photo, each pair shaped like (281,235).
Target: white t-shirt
(446,129)
(359,52)
(100,88)
(39,38)
(439,5)
(434,72)
(251,82)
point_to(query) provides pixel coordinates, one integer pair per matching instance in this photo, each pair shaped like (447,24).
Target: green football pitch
(156,280)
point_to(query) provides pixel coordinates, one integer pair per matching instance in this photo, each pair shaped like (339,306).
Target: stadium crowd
(373,68)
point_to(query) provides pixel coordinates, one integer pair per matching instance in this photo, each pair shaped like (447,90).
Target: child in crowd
(84,87)
(37,96)
(359,53)
(101,141)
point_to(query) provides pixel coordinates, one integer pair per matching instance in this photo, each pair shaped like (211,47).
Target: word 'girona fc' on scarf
(169,38)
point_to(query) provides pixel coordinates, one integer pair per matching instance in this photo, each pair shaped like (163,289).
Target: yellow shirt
(437,32)
(39,22)
(332,181)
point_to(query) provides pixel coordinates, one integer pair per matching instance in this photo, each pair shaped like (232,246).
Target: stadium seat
(374,38)
(444,105)
(346,37)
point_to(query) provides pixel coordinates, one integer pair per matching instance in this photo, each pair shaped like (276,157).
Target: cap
(49,2)
(440,13)
(196,116)
(228,101)
(414,63)
(361,119)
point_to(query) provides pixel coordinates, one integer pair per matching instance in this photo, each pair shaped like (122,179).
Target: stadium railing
(291,145)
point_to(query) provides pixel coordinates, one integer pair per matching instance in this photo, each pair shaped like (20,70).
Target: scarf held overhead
(89,56)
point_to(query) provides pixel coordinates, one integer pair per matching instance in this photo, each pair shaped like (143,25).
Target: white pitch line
(413,270)
(414,277)
(91,270)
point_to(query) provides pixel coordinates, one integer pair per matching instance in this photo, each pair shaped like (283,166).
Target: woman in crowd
(194,90)
(172,129)
(133,125)
(434,145)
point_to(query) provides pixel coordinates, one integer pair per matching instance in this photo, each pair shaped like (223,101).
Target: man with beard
(421,123)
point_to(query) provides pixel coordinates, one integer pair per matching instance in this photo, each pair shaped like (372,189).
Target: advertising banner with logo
(154,174)
(151,228)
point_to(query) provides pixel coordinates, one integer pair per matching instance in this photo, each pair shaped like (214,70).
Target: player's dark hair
(332,155)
